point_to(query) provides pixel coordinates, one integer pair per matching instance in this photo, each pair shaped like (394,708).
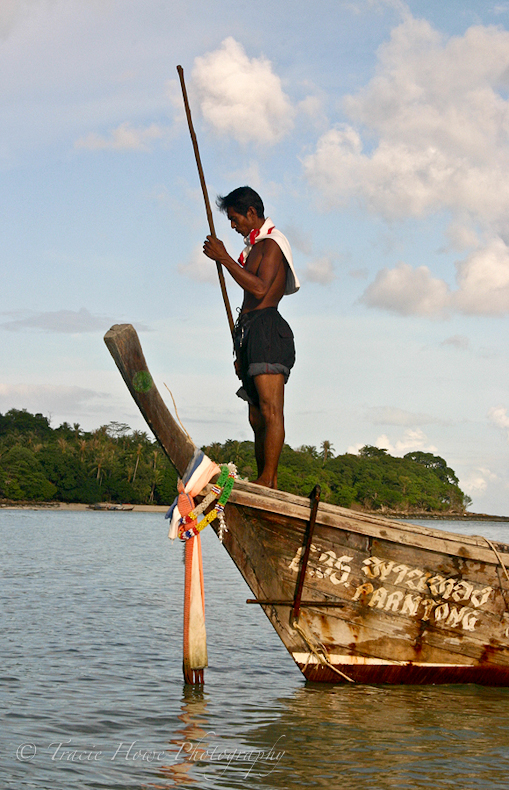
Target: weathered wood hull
(405,604)
(382,601)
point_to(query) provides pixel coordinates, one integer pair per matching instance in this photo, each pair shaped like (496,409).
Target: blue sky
(377,134)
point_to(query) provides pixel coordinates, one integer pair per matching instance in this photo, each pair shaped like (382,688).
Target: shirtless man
(264,346)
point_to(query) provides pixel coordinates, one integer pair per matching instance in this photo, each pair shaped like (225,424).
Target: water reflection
(100,667)
(199,755)
(190,742)
(391,737)
(382,737)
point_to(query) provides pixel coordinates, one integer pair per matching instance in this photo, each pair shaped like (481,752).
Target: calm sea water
(91,690)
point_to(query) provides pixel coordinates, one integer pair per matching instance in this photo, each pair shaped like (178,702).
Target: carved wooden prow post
(125,348)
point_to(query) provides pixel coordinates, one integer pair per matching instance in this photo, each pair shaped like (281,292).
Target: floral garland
(192,524)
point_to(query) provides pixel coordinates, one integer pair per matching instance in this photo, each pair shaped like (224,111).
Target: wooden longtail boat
(352,596)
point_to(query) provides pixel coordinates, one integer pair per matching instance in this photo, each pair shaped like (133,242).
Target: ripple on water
(92,624)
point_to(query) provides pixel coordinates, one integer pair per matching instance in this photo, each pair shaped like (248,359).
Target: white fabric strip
(269,231)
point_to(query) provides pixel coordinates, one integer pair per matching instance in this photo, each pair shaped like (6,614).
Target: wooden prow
(125,348)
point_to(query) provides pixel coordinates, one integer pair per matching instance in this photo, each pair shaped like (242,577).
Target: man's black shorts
(263,344)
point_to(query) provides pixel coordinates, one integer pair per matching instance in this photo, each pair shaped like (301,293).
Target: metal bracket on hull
(277,602)
(318,650)
(297,602)
(315,499)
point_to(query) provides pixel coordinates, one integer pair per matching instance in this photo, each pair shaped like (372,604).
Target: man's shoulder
(271,245)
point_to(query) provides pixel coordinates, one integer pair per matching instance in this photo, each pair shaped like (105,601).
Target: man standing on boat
(264,347)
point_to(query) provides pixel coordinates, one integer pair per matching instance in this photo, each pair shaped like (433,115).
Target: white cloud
(62,321)
(428,133)
(483,280)
(320,270)
(408,291)
(461,236)
(353,449)
(199,267)
(412,439)
(477,481)
(499,417)
(474,484)
(242,97)
(442,127)
(124,138)
(313,107)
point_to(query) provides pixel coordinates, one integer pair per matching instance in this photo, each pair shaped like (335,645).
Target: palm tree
(308,449)
(63,445)
(156,475)
(83,447)
(138,453)
(327,450)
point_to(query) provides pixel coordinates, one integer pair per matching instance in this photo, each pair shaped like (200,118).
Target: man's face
(239,222)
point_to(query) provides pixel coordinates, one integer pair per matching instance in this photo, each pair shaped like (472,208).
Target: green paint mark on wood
(142,381)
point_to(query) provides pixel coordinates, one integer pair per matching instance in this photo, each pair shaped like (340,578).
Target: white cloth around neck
(269,231)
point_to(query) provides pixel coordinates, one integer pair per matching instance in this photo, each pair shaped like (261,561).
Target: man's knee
(270,411)
(270,388)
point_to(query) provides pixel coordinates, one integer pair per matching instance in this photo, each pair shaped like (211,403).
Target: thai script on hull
(450,602)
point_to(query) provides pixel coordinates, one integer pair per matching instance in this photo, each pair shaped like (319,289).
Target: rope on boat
(499,558)
(176,412)
(320,656)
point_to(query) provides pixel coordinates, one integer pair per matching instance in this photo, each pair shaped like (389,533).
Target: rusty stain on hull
(409,674)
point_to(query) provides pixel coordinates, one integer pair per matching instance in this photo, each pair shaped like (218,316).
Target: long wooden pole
(205,195)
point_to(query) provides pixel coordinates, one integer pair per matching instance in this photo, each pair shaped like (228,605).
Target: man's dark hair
(240,200)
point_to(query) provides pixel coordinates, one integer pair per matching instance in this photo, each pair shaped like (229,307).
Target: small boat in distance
(109,506)
(353,597)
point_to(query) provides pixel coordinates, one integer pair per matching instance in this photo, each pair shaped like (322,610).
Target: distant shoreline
(76,506)
(438,515)
(449,517)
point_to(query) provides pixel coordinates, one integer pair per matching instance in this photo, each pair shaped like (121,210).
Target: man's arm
(256,283)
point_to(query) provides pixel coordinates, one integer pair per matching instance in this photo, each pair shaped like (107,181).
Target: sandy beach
(73,506)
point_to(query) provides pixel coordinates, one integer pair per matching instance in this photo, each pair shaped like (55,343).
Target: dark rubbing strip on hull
(410,674)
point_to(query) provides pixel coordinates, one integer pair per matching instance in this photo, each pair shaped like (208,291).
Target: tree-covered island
(39,463)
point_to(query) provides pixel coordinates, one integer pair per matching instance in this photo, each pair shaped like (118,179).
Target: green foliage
(372,480)
(23,476)
(67,464)
(115,464)
(22,422)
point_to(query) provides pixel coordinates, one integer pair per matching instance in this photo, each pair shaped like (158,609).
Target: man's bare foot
(267,483)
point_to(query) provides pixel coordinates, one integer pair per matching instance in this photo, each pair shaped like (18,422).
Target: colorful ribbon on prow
(186,522)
